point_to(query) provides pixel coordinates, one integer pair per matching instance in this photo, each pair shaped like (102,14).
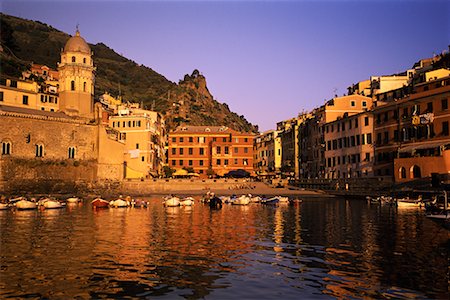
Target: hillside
(24,41)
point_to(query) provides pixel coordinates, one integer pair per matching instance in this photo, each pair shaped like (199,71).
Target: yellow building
(143,133)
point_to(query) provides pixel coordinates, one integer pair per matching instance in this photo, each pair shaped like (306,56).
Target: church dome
(77,44)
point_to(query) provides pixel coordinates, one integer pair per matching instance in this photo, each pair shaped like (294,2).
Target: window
(190,162)
(430,107)
(143,158)
(445,128)
(181,139)
(245,140)
(444,103)
(39,150)
(367,157)
(84,60)
(353,103)
(356,123)
(225,162)
(72,85)
(73,59)
(246,150)
(245,161)
(137,146)
(364,104)
(202,151)
(369,138)
(181,162)
(181,151)
(236,150)
(218,150)
(84,86)
(200,162)
(366,121)
(190,151)
(1,96)
(13,83)
(227,150)
(174,151)
(72,152)
(218,162)
(174,140)
(174,162)
(236,161)
(415,171)
(6,148)
(25,100)
(191,139)
(402,173)
(386,137)
(224,140)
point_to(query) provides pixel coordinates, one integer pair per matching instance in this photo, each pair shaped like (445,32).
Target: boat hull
(100,203)
(25,204)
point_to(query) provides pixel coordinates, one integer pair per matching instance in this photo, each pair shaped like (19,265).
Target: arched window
(84,86)
(84,60)
(72,152)
(415,172)
(73,59)
(6,148)
(402,173)
(72,85)
(39,150)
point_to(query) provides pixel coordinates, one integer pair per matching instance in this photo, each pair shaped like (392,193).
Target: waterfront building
(210,150)
(264,153)
(411,133)
(143,133)
(348,147)
(312,144)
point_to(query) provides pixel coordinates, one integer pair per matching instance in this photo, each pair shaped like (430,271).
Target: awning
(416,146)
(180,172)
(193,174)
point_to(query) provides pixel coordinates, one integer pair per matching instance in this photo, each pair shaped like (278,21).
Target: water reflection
(321,248)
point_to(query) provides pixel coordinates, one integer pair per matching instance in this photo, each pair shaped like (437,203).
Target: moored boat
(100,203)
(171,201)
(188,201)
(25,204)
(73,200)
(119,203)
(270,201)
(53,204)
(242,200)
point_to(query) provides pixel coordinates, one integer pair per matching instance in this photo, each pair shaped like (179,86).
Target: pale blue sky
(268,60)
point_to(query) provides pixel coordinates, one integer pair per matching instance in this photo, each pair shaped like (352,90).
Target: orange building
(210,150)
(412,133)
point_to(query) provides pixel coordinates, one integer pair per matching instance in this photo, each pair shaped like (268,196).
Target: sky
(268,60)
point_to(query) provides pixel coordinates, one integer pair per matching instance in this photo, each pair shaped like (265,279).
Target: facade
(210,150)
(264,153)
(412,133)
(143,133)
(349,151)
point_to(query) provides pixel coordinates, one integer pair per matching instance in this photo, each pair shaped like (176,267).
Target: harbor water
(319,249)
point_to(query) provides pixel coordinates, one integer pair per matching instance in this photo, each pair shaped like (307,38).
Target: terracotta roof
(204,129)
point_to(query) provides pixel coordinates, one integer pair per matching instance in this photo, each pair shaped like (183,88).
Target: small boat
(4,206)
(25,204)
(255,199)
(409,203)
(119,203)
(242,200)
(100,203)
(73,200)
(188,201)
(270,201)
(171,201)
(52,204)
(138,203)
(439,212)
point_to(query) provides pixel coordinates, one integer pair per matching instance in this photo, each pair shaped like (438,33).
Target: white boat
(242,200)
(73,200)
(255,199)
(171,201)
(119,203)
(51,204)
(188,201)
(25,204)
(409,203)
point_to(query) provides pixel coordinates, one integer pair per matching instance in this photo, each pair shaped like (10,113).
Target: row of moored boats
(23,203)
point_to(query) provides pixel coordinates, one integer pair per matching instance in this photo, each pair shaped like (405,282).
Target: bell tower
(76,78)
